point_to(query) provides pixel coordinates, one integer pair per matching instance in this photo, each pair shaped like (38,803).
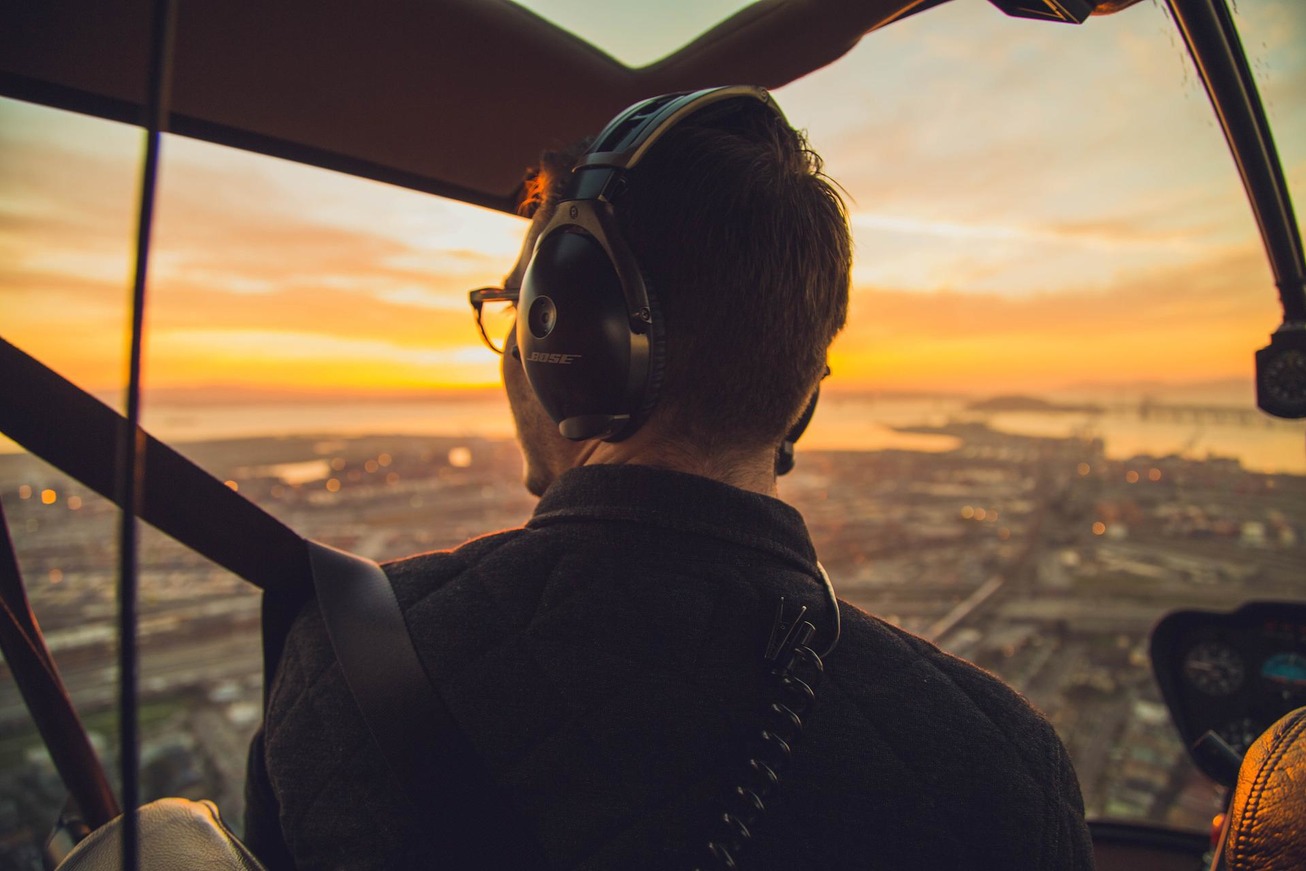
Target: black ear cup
(574,335)
(589,331)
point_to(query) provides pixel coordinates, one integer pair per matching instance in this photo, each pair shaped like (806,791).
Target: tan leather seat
(175,833)
(1266,829)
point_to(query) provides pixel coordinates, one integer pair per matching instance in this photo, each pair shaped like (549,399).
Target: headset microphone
(784,454)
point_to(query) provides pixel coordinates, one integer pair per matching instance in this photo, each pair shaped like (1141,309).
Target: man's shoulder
(416,576)
(881,654)
(967,754)
(309,653)
(927,704)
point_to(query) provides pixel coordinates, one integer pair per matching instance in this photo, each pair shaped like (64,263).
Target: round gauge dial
(1285,379)
(1286,672)
(1239,734)
(1281,374)
(1214,668)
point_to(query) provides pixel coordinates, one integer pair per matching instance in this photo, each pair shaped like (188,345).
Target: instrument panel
(1232,673)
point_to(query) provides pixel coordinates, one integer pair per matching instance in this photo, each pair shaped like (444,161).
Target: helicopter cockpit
(1049,443)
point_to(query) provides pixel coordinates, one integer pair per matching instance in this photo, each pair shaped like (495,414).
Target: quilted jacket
(606,662)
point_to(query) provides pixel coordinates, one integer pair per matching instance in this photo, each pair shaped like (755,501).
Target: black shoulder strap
(375,652)
(426,751)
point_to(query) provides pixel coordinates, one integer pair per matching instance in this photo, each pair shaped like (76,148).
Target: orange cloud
(1202,321)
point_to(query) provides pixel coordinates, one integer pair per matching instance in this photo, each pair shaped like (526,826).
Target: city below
(1039,559)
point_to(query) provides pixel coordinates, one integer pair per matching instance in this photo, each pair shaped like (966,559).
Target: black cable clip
(787,635)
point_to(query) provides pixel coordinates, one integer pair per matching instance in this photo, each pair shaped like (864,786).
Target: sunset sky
(1035,206)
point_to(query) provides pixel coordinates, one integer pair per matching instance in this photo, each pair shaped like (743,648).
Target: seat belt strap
(427,752)
(372,644)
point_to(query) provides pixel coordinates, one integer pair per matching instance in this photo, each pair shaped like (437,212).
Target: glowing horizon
(1008,239)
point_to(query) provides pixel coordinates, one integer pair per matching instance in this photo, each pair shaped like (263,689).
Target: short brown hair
(744,242)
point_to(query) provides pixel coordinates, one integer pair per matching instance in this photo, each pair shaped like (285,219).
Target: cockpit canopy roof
(454,97)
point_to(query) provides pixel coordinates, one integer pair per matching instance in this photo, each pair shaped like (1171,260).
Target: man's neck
(746,469)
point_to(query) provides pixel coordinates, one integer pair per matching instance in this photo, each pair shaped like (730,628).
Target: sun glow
(983,263)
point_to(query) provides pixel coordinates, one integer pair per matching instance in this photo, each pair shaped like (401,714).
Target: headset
(589,332)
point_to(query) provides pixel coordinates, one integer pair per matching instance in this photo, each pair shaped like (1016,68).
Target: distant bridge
(1150,410)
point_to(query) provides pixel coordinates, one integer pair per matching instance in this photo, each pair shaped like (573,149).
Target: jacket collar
(678,501)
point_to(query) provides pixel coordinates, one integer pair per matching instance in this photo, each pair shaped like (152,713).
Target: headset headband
(629,136)
(597,177)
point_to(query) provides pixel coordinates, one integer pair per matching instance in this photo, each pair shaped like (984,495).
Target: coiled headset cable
(795,674)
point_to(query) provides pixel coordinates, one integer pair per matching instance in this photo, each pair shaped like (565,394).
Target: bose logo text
(540,357)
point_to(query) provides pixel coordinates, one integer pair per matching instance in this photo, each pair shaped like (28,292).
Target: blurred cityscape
(1039,559)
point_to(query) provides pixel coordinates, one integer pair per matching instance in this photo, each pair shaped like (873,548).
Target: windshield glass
(1039,435)
(636,33)
(1059,288)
